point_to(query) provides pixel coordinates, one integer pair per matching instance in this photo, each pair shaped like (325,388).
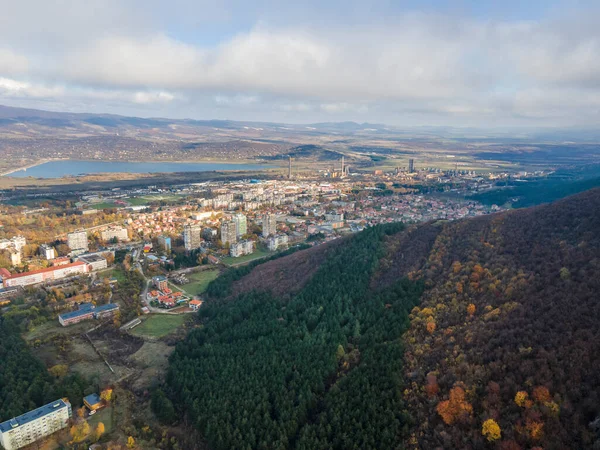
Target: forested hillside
(318,371)
(25,383)
(474,334)
(504,350)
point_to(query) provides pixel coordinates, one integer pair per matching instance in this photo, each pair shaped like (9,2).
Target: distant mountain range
(11,117)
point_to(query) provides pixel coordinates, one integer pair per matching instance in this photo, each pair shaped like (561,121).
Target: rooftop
(32,415)
(91,258)
(92,399)
(48,269)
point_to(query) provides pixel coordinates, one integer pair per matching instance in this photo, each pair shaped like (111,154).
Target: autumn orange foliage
(456,408)
(430,327)
(535,429)
(541,394)
(471,309)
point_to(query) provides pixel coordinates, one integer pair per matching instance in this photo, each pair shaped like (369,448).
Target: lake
(58,169)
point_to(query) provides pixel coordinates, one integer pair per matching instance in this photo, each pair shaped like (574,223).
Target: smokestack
(290,167)
(343,168)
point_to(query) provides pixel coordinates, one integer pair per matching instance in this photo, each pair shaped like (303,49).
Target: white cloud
(153,97)
(12,63)
(14,88)
(410,65)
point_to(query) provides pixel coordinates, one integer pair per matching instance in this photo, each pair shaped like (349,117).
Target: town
(127,267)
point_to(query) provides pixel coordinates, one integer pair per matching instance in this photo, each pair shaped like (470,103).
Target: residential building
(16,242)
(45,275)
(95,261)
(192,236)
(47,252)
(202,215)
(269,225)
(228,232)
(195,304)
(160,283)
(241,226)
(278,241)
(15,256)
(118,233)
(77,240)
(245,247)
(334,217)
(35,425)
(19,242)
(164,242)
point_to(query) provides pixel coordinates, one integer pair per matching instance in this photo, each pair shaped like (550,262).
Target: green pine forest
(322,370)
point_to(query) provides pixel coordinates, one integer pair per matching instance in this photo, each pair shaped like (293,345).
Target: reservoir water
(57,169)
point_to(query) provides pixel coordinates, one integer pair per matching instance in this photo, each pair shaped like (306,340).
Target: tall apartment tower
(411,165)
(228,232)
(269,224)
(192,236)
(343,168)
(77,240)
(241,225)
(289,167)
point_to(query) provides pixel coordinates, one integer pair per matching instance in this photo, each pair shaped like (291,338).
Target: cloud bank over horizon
(389,62)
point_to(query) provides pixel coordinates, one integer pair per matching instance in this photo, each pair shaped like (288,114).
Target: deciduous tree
(491,430)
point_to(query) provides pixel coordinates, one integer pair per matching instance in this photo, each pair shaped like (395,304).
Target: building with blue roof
(93,402)
(88,311)
(35,425)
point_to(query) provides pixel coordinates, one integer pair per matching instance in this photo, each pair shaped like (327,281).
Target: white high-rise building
(16,242)
(19,242)
(111,233)
(228,232)
(47,252)
(269,225)
(245,247)
(77,240)
(241,225)
(35,425)
(278,241)
(192,237)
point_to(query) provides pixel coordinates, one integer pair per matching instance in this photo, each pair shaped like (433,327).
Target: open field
(112,273)
(159,325)
(137,201)
(52,327)
(199,281)
(258,253)
(104,415)
(103,205)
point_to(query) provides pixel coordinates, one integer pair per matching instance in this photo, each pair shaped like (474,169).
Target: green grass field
(159,325)
(199,281)
(116,273)
(137,201)
(103,205)
(258,253)
(103,415)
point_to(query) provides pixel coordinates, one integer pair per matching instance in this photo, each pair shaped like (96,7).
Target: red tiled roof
(48,269)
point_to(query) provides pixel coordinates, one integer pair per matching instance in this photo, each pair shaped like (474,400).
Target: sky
(405,63)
